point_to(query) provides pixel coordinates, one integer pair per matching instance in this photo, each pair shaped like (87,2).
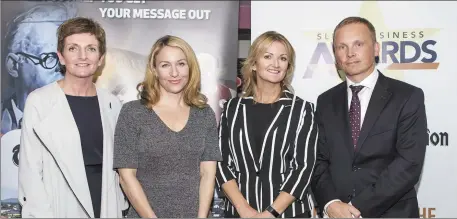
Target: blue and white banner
(29,59)
(417,41)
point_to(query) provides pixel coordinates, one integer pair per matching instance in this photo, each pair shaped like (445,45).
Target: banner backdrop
(417,41)
(29,60)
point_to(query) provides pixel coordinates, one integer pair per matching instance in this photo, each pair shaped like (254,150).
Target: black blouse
(262,118)
(86,113)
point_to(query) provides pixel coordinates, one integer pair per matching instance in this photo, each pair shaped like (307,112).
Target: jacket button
(24,199)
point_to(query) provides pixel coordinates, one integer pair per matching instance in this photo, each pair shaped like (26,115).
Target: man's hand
(340,209)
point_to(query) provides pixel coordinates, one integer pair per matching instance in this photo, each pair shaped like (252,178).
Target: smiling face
(355,50)
(81,55)
(271,67)
(172,69)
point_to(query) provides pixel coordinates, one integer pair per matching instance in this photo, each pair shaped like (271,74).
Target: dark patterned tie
(354,113)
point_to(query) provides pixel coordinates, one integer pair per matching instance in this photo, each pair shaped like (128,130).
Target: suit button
(349,197)
(24,199)
(354,168)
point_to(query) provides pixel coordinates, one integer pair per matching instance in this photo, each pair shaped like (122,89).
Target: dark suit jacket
(287,159)
(378,178)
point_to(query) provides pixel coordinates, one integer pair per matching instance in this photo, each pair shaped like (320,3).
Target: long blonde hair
(257,49)
(149,89)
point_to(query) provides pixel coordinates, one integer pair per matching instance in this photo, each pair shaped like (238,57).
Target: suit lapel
(379,98)
(248,134)
(285,101)
(271,128)
(106,109)
(341,100)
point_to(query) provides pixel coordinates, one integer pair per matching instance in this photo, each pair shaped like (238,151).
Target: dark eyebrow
(341,44)
(358,41)
(74,44)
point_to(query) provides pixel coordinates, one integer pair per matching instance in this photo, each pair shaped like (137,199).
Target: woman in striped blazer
(267,138)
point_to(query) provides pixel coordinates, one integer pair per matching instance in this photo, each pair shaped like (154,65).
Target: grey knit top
(167,162)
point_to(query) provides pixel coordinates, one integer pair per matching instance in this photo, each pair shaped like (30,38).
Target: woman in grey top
(166,143)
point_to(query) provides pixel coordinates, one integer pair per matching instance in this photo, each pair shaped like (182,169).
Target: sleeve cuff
(328,203)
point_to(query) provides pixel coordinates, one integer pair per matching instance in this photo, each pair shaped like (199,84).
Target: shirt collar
(368,82)
(287,98)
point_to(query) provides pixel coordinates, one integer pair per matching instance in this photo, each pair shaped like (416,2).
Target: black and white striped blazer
(287,157)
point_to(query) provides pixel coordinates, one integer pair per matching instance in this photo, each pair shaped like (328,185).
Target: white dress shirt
(364,96)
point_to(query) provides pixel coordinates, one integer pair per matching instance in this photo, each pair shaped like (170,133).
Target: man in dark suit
(372,134)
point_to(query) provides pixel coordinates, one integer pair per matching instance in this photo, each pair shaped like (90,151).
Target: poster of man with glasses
(30,57)
(29,61)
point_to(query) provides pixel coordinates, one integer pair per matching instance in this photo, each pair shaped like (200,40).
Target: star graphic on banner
(371,11)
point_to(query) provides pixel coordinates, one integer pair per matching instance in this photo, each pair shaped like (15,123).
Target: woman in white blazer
(66,151)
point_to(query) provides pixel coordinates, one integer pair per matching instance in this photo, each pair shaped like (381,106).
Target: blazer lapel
(59,134)
(341,100)
(285,101)
(248,134)
(106,109)
(112,197)
(378,101)
(281,118)
(269,132)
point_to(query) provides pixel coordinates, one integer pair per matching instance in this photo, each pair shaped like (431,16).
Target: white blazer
(52,178)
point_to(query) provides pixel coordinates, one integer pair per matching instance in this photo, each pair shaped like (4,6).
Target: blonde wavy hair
(257,49)
(149,89)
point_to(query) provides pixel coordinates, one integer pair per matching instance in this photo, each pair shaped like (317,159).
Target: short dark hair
(80,25)
(356,20)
